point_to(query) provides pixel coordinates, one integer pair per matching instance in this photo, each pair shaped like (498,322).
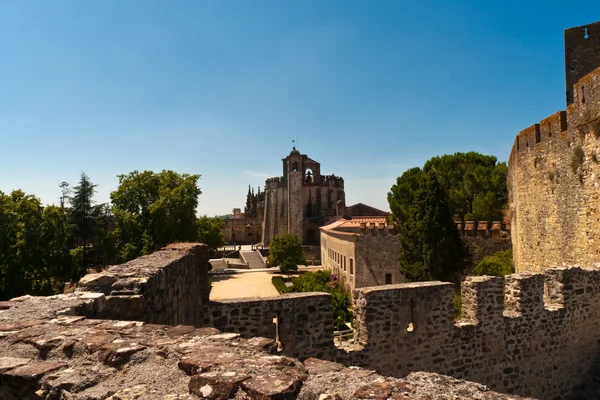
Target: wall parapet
(535,337)
(169,286)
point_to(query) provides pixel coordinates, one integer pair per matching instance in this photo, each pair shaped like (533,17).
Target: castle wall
(305,321)
(167,287)
(539,338)
(553,185)
(581,54)
(538,335)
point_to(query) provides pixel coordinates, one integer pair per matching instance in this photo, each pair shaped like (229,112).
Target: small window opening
(582,95)
(585,33)
(295,166)
(388,279)
(411,325)
(538,136)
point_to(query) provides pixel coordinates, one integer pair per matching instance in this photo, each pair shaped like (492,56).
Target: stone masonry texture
(56,348)
(532,335)
(554,169)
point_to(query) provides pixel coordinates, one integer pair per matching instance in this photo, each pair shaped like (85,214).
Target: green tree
(498,264)
(210,232)
(431,246)
(152,210)
(84,215)
(403,192)
(475,183)
(287,249)
(34,256)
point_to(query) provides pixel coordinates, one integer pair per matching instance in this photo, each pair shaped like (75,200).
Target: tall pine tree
(84,215)
(432,248)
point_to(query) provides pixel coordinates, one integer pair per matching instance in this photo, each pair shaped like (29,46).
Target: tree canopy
(152,210)
(210,232)
(475,186)
(498,264)
(431,246)
(34,252)
(286,250)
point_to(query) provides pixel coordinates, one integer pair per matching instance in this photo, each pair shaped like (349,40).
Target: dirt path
(241,285)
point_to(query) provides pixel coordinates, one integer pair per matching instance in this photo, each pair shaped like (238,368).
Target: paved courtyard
(246,283)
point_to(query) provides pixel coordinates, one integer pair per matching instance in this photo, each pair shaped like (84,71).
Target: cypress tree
(432,248)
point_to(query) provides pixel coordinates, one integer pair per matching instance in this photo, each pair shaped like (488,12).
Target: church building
(302,200)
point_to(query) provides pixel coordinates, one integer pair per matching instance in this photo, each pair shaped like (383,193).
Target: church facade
(302,200)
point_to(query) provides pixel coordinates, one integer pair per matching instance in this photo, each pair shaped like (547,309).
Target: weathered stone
(100,279)
(7,363)
(375,390)
(17,325)
(115,356)
(132,393)
(219,386)
(319,367)
(282,384)
(21,376)
(96,340)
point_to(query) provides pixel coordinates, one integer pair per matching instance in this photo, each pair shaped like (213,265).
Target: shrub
(497,264)
(324,281)
(279,284)
(288,265)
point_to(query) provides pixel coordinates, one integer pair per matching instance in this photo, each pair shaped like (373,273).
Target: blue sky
(221,88)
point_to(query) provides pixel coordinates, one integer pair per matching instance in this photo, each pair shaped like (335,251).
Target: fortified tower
(554,169)
(301,200)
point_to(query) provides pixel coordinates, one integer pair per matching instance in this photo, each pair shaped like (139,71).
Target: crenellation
(533,334)
(524,294)
(482,301)
(553,184)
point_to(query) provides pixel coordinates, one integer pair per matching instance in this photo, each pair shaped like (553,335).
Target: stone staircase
(253,259)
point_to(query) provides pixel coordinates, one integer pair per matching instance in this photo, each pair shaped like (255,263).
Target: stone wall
(377,256)
(539,337)
(304,321)
(554,169)
(166,287)
(47,355)
(536,336)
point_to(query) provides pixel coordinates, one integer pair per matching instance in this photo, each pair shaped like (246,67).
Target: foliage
(210,232)
(34,254)
(284,247)
(152,210)
(403,192)
(432,248)
(457,303)
(84,216)
(474,183)
(279,284)
(324,281)
(288,265)
(498,264)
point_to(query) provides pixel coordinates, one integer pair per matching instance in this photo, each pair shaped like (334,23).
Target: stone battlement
(536,336)
(553,169)
(533,334)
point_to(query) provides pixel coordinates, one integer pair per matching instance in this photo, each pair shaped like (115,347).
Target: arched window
(308,176)
(295,166)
